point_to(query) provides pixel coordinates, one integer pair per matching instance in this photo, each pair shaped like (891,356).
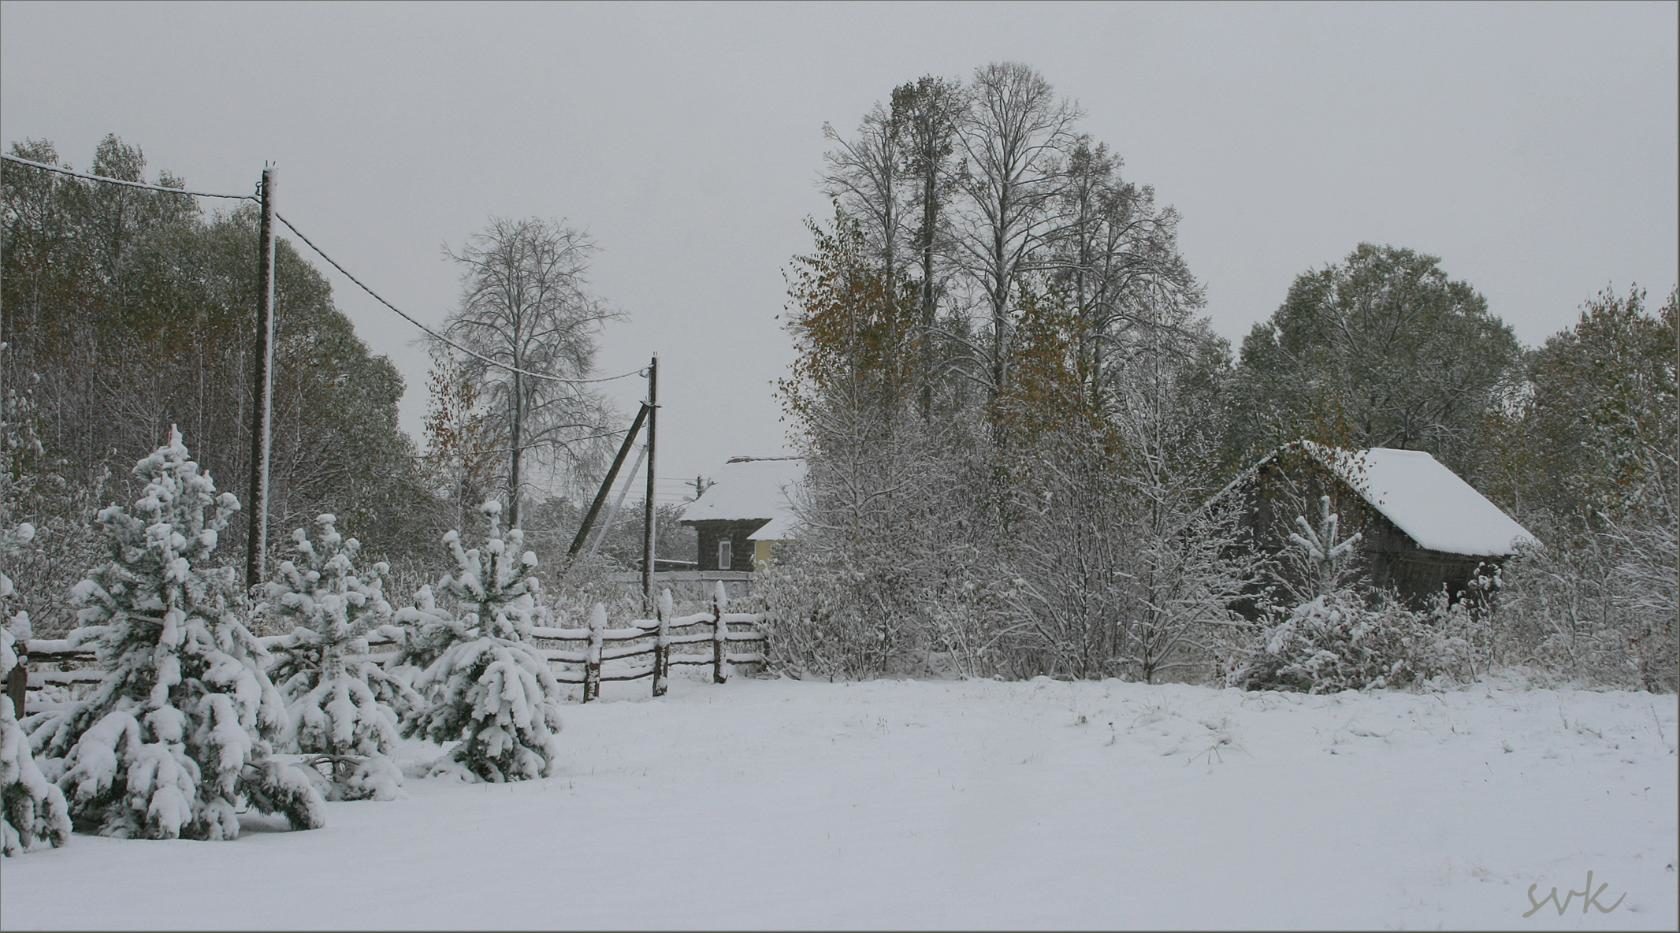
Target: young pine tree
(1325,563)
(1338,636)
(340,702)
(177,739)
(32,811)
(484,684)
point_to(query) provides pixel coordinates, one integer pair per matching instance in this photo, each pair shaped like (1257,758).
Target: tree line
(1015,412)
(123,312)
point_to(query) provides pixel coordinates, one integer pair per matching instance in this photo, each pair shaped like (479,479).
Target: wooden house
(1422,527)
(748,509)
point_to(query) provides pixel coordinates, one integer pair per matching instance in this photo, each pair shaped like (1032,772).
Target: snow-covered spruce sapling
(32,810)
(1305,649)
(487,686)
(177,739)
(1338,636)
(1327,564)
(343,706)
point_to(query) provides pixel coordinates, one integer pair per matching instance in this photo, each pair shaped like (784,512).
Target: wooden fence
(711,638)
(691,584)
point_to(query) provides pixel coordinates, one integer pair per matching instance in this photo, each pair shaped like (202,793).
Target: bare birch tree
(1012,136)
(525,305)
(928,109)
(863,175)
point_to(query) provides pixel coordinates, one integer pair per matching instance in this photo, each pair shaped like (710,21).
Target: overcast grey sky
(1532,147)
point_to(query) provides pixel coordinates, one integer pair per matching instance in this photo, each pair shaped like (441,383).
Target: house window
(725,554)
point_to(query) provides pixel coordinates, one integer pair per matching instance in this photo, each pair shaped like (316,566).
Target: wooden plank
(621,653)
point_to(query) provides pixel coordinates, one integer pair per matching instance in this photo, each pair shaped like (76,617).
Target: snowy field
(964,804)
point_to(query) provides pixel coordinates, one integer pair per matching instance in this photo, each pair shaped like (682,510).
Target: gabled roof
(750,488)
(1433,505)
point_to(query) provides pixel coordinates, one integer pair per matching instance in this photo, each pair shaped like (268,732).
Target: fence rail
(691,583)
(588,667)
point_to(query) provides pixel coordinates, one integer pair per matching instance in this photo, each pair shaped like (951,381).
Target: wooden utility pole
(606,484)
(648,507)
(262,395)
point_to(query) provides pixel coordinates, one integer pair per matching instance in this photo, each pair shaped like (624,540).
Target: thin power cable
(437,336)
(126,184)
(552,443)
(322,253)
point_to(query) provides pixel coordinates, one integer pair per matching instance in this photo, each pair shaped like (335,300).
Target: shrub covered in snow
(580,583)
(32,811)
(178,738)
(343,706)
(1600,604)
(1339,637)
(483,683)
(1336,642)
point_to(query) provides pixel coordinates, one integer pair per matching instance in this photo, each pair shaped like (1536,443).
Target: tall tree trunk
(516,453)
(930,215)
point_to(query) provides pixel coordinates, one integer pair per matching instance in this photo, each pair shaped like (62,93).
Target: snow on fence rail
(716,629)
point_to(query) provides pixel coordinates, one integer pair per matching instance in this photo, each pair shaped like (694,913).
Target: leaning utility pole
(262,395)
(647,507)
(606,484)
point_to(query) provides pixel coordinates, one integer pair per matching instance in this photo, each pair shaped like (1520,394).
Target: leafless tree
(1115,253)
(1012,136)
(525,305)
(863,174)
(928,109)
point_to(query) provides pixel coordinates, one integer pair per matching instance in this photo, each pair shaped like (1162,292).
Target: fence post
(662,645)
(720,635)
(592,660)
(17,683)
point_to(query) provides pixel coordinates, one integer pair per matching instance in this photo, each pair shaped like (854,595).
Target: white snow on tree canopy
(751,488)
(1424,499)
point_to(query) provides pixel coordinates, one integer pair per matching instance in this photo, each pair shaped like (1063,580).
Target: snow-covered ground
(965,804)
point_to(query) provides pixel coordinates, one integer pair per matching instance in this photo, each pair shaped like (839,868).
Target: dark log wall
(710,533)
(1292,484)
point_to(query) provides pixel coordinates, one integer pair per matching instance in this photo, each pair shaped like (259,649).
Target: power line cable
(322,253)
(127,184)
(434,334)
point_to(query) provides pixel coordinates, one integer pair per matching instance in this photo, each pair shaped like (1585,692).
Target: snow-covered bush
(1336,642)
(483,683)
(343,706)
(177,739)
(1464,633)
(1337,636)
(1600,602)
(826,617)
(809,624)
(32,811)
(580,584)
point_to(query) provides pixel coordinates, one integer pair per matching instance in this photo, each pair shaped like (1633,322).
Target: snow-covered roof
(777,529)
(753,488)
(1430,503)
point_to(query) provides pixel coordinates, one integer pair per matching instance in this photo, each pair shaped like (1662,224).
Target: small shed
(746,510)
(1422,526)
